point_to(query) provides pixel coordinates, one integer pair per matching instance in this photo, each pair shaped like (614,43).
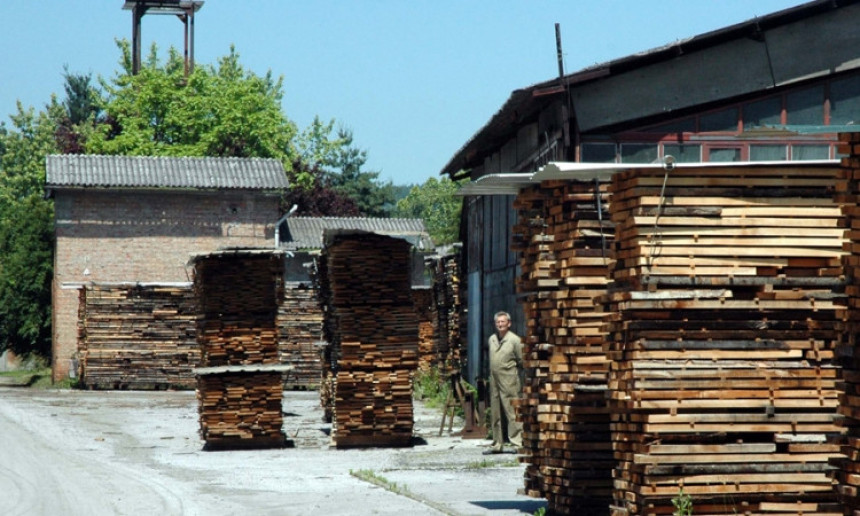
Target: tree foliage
(338,164)
(318,200)
(222,110)
(26,231)
(81,114)
(436,203)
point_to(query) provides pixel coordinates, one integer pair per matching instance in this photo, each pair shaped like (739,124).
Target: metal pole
(559,54)
(191,63)
(137,13)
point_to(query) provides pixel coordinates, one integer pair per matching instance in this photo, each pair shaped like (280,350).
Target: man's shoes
(492,451)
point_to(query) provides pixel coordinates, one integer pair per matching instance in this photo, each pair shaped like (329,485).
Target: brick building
(139,219)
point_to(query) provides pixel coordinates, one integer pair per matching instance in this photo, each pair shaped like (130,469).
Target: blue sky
(413,79)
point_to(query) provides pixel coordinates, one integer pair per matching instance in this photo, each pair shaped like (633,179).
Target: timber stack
(372,330)
(240,386)
(135,336)
(449,309)
(722,338)
(428,342)
(300,336)
(847,468)
(564,238)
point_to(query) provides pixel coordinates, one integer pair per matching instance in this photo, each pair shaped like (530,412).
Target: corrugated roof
(80,170)
(526,103)
(307,232)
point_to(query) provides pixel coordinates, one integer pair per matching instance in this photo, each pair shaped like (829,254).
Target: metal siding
(475,234)
(527,141)
(473,327)
(734,68)
(509,156)
(487,233)
(816,46)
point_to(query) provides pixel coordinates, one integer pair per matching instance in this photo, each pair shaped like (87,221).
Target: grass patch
(488,463)
(372,477)
(40,378)
(431,388)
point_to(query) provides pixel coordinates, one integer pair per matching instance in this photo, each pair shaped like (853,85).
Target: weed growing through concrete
(372,477)
(488,463)
(431,388)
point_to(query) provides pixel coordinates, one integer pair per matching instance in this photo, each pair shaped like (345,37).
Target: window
(683,153)
(764,112)
(845,101)
(808,152)
(768,152)
(598,152)
(638,153)
(805,107)
(721,121)
(724,154)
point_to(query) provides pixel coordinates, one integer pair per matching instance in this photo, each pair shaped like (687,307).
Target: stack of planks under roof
(847,471)
(372,328)
(564,239)
(722,338)
(300,323)
(136,336)
(428,335)
(448,310)
(240,386)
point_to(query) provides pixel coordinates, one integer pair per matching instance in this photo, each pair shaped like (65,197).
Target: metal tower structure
(183,9)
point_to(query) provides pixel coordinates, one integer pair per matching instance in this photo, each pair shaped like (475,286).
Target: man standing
(506,362)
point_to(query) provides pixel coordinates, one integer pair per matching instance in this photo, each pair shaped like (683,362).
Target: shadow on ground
(525,506)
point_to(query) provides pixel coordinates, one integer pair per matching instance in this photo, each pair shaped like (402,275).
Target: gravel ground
(132,453)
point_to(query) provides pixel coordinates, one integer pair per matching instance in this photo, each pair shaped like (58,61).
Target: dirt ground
(132,453)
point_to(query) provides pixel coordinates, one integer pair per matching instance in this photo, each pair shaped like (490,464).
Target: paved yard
(131,453)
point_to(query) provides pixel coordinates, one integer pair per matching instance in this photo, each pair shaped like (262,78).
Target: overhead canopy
(497,184)
(511,183)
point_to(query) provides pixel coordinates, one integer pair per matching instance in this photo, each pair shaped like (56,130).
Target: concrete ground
(131,453)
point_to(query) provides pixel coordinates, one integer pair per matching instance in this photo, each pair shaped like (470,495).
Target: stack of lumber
(449,312)
(563,238)
(241,410)
(239,293)
(722,335)
(425,309)
(847,469)
(300,321)
(373,332)
(239,386)
(133,336)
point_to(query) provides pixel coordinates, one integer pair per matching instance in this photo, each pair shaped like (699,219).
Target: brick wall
(143,236)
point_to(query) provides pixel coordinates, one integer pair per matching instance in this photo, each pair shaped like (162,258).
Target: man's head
(503,323)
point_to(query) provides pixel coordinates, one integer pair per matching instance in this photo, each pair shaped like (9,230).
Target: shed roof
(80,170)
(307,232)
(795,50)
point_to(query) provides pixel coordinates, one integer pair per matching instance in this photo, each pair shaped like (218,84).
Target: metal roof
(498,184)
(81,170)
(306,233)
(512,183)
(524,104)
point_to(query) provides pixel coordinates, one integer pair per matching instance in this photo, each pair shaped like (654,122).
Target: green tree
(436,203)
(26,231)
(340,162)
(222,110)
(82,111)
